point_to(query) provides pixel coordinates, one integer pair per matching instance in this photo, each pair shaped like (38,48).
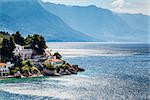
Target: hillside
(29,17)
(102,23)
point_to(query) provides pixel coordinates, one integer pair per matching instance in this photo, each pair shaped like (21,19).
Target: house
(18,48)
(27,53)
(23,52)
(4,68)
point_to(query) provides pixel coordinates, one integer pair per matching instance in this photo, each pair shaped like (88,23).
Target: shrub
(49,66)
(13,71)
(58,55)
(27,62)
(35,70)
(26,69)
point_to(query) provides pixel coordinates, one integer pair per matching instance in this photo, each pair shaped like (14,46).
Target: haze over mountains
(28,16)
(72,23)
(102,23)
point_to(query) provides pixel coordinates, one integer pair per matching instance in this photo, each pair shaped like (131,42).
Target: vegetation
(58,55)
(65,66)
(27,65)
(7,44)
(37,43)
(6,47)
(18,39)
(48,65)
(27,62)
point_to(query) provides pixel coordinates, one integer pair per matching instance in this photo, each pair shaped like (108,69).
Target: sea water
(113,71)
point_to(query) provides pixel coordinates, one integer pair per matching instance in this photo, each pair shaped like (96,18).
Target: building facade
(23,52)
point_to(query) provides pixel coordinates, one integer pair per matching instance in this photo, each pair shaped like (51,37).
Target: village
(27,61)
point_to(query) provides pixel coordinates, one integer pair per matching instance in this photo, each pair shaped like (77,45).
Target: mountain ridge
(58,22)
(102,23)
(28,16)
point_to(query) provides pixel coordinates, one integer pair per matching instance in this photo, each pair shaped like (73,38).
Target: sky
(125,6)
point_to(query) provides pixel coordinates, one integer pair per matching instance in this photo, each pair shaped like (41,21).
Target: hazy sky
(129,6)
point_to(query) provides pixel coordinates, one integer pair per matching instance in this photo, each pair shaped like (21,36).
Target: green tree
(37,43)
(7,47)
(18,39)
(58,55)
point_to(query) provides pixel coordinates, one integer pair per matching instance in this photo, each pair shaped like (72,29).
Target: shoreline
(75,70)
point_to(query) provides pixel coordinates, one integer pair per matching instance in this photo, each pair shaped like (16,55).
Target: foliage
(27,62)
(29,68)
(37,43)
(49,66)
(18,39)
(26,69)
(13,71)
(65,66)
(17,60)
(6,50)
(7,44)
(35,70)
(58,55)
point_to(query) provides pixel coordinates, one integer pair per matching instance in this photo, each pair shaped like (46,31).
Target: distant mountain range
(28,16)
(103,24)
(72,23)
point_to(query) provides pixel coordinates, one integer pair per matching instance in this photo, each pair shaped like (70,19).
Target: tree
(18,39)
(37,43)
(7,47)
(28,40)
(58,55)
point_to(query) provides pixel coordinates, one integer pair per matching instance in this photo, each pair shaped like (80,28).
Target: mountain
(103,24)
(28,16)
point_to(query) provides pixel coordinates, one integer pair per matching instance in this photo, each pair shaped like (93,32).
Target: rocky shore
(43,67)
(72,69)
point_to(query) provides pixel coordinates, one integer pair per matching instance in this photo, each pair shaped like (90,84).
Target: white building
(27,53)
(18,48)
(23,52)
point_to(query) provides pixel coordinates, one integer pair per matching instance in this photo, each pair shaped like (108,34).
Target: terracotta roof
(55,60)
(2,64)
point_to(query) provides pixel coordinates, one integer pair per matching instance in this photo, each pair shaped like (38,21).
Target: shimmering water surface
(112,71)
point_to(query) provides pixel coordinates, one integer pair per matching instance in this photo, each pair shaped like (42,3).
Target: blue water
(112,72)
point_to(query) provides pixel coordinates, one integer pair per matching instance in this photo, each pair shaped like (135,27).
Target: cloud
(134,6)
(118,4)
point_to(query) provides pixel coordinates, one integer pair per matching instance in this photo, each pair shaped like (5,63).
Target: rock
(72,71)
(65,72)
(17,75)
(77,68)
(26,74)
(47,72)
(81,69)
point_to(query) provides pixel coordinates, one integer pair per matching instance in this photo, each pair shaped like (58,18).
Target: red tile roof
(55,60)
(2,64)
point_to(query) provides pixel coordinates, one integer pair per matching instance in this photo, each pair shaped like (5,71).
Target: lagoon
(112,71)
